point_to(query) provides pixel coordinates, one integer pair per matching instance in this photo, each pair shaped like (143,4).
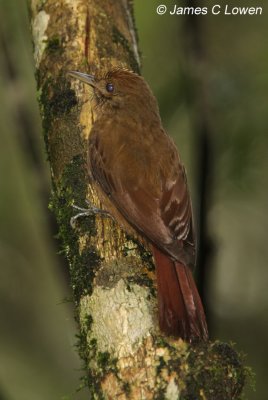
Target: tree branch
(112,275)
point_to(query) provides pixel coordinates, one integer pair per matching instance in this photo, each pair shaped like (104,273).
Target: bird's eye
(110,87)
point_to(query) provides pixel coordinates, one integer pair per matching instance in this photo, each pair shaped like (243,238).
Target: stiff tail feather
(181,312)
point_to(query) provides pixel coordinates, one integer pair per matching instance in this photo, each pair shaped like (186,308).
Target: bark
(112,275)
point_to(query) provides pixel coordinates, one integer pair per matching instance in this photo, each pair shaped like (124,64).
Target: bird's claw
(86,212)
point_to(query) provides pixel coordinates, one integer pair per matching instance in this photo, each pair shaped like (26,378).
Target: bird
(136,170)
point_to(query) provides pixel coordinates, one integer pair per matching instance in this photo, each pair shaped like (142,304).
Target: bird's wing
(164,219)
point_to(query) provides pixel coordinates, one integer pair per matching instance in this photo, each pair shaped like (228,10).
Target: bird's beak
(88,79)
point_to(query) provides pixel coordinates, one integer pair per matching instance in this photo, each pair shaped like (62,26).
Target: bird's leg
(85,212)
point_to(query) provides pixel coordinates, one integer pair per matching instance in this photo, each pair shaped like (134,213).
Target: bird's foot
(86,212)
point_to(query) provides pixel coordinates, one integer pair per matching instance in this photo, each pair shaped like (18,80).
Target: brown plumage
(136,170)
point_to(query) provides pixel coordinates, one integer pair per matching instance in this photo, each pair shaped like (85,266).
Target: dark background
(210,75)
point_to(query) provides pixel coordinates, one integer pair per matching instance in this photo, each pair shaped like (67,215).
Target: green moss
(54,45)
(82,345)
(83,270)
(102,359)
(160,341)
(106,363)
(126,388)
(97,365)
(161,364)
(217,370)
(72,190)
(58,105)
(145,255)
(160,394)
(143,280)
(87,350)
(88,322)
(57,98)
(211,371)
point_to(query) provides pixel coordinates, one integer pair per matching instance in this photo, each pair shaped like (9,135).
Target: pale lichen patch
(39,27)
(172,391)
(122,322)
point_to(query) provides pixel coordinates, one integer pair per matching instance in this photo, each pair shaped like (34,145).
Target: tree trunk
(112,275)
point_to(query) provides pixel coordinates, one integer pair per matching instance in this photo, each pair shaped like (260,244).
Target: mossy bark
(112,275)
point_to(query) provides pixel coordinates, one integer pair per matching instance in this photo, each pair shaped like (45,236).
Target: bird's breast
(138,154)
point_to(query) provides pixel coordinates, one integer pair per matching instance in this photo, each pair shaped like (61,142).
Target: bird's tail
(181,312)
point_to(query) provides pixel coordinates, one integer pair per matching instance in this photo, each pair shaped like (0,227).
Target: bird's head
(119,89)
